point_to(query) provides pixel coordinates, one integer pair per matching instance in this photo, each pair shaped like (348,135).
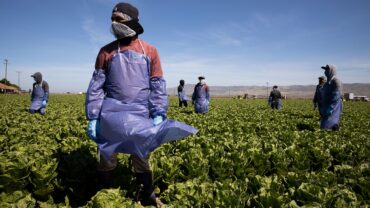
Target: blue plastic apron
(37,97)
(201,101)
(125,125)
(331,100)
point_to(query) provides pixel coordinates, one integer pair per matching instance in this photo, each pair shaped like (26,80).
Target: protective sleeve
(95,95)
(45,87)
(270,100)
(279,95)
(334,95)
(158,99)
(46,97)
(207,93)
(193,97)
(315,99)
(33,91)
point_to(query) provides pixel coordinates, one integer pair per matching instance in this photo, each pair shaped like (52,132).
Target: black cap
(322,78)
(37,74)
(201,77)
(128,9)
(132,12)
(325,67)
(275,86)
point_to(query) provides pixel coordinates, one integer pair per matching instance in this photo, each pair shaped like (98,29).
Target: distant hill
(292,91)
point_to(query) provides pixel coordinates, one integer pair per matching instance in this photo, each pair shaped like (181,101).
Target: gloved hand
(328,112)
(157,120)
(91,129)
(44,103)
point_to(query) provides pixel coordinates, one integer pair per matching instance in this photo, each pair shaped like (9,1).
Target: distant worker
(332,105)
(183,99)
(275,98)
(127,103)
(318,99)
(201,96)
(39,95)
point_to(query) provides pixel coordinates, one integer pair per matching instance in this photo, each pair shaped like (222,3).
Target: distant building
(352,97)
(349,96)
(5,89)
(361,98)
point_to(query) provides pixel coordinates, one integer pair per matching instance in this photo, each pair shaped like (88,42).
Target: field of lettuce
(244,155)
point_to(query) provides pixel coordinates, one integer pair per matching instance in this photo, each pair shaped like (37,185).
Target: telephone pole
(19,81)
(6,67)
(267,89)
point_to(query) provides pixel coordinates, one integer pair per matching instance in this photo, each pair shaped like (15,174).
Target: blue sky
(245,42)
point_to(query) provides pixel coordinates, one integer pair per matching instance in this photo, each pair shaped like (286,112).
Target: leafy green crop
(244,155)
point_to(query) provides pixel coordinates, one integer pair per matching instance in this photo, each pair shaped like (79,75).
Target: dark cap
(325,67)
(275,86)
(128,9)
(201,77)
(322,78)
(133,13)
(37,74)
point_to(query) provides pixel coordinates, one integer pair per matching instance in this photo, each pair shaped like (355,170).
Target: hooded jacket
(332,99)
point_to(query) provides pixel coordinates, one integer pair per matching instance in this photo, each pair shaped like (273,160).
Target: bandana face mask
(120,30)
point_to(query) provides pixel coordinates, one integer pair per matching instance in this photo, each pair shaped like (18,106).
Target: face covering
(120,30)
(331,72)
(202,81)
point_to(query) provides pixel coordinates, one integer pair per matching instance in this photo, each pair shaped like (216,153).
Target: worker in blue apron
(39,95)
(318,97)
(201,97)
(181,94)
(127,103)
(332,104)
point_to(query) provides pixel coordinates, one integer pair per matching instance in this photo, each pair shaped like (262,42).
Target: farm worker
(201,96)
(126,103)
(39,95)
(332,99)
(275,98)
(183,99)
(317,99)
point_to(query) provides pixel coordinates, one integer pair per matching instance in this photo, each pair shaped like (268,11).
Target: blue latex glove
(44,103)
(328,112)
(91,129)
(157,120)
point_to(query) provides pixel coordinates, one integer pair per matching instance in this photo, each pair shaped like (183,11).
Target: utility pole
(19,81)
(267,89)
(6,68)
